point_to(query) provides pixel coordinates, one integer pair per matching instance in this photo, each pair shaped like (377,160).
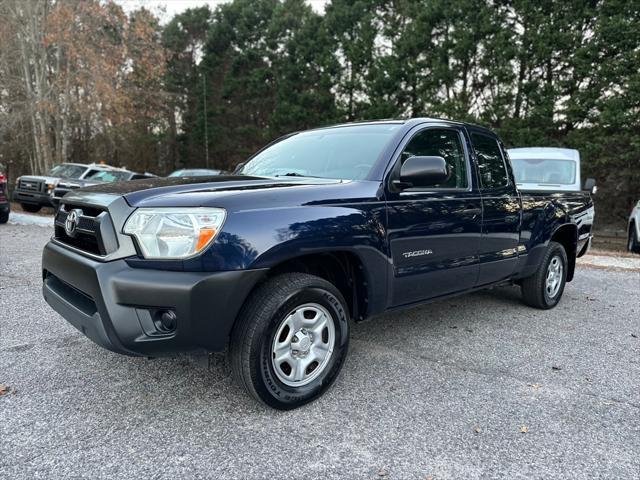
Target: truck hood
(232,192)
(72,183)
(38,178)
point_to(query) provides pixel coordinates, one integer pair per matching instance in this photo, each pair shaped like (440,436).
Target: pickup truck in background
(318,228)
(33,192)
(106,175)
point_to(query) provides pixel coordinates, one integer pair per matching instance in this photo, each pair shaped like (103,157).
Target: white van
(543,168)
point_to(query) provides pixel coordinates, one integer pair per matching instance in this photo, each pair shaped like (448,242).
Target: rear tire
(633,244)
(545,287)
(4,217)
(27,207)
(290,340)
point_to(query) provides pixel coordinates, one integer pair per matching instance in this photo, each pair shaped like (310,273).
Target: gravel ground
(25,219)
(475,387)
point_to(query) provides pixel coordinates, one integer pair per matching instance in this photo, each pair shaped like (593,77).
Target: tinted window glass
(493,173)
(342,152)
(445,144)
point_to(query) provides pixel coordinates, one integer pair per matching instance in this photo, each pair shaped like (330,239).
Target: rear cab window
(492,168)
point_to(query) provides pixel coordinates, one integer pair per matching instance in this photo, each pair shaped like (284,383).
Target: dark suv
(5,207)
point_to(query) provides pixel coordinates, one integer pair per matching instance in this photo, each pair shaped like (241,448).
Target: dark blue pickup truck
(317,229)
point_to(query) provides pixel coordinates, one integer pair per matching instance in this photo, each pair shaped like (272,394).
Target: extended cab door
(433,232)
(501,206)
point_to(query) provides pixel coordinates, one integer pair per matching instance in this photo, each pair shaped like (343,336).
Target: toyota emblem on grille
(71,223)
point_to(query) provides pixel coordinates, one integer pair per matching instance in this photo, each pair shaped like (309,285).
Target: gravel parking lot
(475,387)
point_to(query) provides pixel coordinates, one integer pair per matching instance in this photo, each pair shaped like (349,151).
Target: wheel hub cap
(303,344)
(554,277)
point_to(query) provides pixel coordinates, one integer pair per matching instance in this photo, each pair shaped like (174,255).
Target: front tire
(290,340)
(545,287)
(4,217)
(633,245)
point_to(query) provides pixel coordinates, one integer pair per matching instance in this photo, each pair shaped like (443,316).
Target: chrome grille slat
(87,237)
(30,185)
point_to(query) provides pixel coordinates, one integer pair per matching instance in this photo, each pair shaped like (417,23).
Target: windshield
(67,170)
(342,152)
(544,170)
(109,176)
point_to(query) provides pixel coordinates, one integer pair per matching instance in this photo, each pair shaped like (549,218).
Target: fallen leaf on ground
(477,429)
(524,429)
(634,335)
(555,367)
(535,386)
(383,472)
(4,389)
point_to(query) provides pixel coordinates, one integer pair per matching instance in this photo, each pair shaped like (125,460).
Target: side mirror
(423,172)
(590,185)
(238,167)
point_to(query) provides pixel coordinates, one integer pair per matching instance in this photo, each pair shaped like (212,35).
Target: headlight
(174,232)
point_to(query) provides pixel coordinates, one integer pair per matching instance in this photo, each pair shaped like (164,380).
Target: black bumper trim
(206,304)
(32,198)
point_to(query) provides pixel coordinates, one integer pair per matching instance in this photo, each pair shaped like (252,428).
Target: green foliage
(542,73)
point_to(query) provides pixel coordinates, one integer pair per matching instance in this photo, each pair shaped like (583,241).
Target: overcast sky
(166,9)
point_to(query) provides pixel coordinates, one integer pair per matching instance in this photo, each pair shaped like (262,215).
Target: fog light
(166,320)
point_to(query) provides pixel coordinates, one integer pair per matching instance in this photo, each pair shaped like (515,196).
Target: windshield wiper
(295,174)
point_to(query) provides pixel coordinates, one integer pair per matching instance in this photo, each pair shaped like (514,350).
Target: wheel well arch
(567,236)
(343,269)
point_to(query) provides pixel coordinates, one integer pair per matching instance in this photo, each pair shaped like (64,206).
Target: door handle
(472,210)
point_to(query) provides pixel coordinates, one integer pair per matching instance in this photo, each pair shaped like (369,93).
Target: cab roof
(545,153)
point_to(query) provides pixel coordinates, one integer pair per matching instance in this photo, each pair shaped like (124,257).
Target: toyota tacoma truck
(317,229)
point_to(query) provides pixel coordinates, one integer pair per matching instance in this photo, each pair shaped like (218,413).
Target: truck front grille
(31,185)
(91,227)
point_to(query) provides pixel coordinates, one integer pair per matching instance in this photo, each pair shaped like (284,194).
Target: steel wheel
(554,276)
(303,344)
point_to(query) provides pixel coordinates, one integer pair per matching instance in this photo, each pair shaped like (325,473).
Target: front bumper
(32,198)
(117,306)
